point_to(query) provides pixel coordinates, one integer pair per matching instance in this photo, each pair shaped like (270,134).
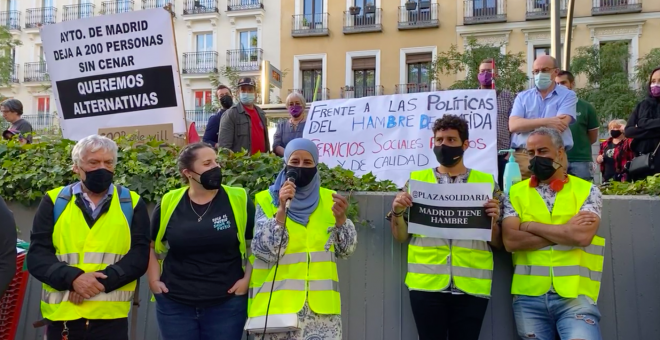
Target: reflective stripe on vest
(91,250)
(573,271)
(433,263)
(306,270)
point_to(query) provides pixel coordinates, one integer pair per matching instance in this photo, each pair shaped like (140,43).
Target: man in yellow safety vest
(449,280)
(550,224)
(89,246)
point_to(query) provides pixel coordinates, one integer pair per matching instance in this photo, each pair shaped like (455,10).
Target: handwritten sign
(450,211)
(161,132)
(113,69)
(392,135)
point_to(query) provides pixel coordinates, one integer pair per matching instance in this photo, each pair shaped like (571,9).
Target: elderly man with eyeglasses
(547,104)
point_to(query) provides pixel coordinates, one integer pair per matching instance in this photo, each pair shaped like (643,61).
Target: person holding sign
(449,280)
(203,230)
(550,224)
(301,229)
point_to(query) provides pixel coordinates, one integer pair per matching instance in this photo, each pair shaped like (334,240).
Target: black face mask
(226,102)
(305,175)
(98,181)
(615,133)
(211,179)
(448,156)
(543,167)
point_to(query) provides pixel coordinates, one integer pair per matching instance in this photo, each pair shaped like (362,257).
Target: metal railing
(149,4)
(35,72)
(601,7)
(247,59)
(483,11)
(116,6)
(540,9)
(414,88)
(200,62)
(79,11)
(37,17)
(200,7)
(13,76)
(361,91)
(419,17)
(239,5)
(11,20)
(368,19)
(308,93)
(43,123)
(200,117)
(307,25)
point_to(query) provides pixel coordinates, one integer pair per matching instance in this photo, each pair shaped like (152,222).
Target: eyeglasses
(544,70)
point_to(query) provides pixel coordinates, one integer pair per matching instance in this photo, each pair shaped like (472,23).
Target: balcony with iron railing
(43,123)
(422,15)
(308,93)
(200,117)
(483,11)
(149,4)
(414,88)
(604,7)
(242,5)
(37,17)
(309,25)
(79,11)
(116,6)
(11,20)
(540,9)
(35,72)
(361,91)
(13,77)
(363,20)
(200,62)
(192,7)
(247,59)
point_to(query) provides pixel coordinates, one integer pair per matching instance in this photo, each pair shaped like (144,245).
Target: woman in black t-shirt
(200,233)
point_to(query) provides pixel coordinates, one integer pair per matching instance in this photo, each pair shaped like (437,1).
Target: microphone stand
(277,263)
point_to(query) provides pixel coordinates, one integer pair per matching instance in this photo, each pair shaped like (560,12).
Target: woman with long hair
(644,127)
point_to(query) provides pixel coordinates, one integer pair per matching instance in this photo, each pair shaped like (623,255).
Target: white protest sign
(114,71)
(392,135)
(450,211)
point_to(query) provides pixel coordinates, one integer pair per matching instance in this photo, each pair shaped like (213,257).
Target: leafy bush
(28,171)
(649,186)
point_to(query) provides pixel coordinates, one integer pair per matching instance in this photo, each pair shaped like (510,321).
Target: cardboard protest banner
(161,132)
(113,70)
(450,211)
(392,135)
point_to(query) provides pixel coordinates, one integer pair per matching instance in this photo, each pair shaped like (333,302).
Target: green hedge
(28,171)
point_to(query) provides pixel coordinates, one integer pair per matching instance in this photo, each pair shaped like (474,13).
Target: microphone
(291,176)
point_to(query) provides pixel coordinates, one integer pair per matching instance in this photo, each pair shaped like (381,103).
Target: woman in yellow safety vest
(199,237)
(294,289)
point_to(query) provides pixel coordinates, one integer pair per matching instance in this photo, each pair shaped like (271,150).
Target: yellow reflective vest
(434,262)
(91,250)
(571,270)
(306,270)
(237,200)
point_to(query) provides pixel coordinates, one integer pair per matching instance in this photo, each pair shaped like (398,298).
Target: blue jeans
(543,317)
(177,321)
(580,169)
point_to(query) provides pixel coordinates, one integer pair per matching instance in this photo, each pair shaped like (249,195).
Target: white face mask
(247,98)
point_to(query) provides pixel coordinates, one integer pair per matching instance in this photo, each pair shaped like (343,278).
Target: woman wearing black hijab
(7,246)
(644,124)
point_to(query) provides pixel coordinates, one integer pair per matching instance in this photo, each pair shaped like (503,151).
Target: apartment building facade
(370,47)
(210,35)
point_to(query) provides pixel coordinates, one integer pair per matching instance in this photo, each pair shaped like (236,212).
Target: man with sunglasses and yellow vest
(89,246)
(550,224)
(449,280)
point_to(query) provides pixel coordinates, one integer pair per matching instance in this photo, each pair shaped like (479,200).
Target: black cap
(247,81)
